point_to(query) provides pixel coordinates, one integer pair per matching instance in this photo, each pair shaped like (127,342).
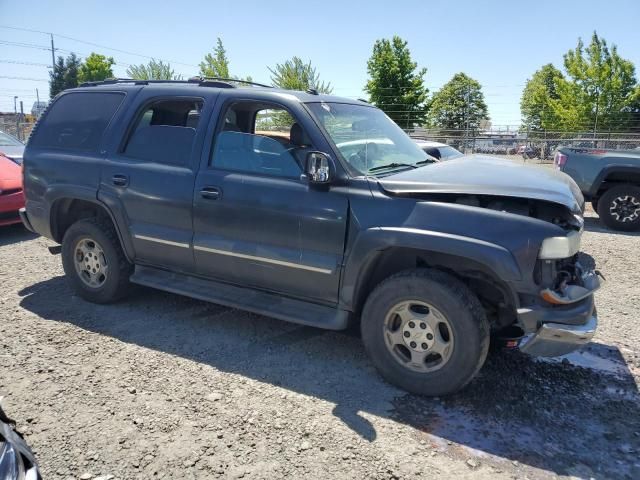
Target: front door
(256,222)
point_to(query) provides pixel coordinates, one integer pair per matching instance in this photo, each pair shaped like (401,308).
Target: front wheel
(94,262)
(619,208)
(425,332)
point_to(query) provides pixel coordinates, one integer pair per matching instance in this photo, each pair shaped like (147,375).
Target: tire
(112,283)
(619,208)
(430,293)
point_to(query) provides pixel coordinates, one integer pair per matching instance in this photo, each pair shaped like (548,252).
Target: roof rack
(228,80)
(201,81)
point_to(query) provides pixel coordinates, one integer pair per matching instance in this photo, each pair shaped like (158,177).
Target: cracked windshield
(367,138)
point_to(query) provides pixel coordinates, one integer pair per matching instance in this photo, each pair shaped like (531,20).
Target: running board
(256,301)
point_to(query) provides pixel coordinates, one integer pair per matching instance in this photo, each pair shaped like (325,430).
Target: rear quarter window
(77,121)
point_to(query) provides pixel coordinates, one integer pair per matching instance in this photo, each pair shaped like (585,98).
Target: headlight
(554,248)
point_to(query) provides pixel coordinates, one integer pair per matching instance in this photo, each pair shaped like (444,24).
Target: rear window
(76,121)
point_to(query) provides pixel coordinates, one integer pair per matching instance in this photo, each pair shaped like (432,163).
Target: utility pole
(20,136)
(38,98)
(53,54)
(595,123)
(15,107)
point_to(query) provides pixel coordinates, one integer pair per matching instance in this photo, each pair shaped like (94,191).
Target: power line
(126,52)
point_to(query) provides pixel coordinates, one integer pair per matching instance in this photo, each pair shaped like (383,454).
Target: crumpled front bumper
(558,330)
(556,339)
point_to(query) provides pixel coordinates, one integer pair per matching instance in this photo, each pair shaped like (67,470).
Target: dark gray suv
(314,209)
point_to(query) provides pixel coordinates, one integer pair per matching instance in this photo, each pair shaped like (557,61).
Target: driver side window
(259,139)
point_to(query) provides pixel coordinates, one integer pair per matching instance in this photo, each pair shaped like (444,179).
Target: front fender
(372,242)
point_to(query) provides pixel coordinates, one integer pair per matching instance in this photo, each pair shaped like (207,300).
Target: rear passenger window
(77,121)
(164,132)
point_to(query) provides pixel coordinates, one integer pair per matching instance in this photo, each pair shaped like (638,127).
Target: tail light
(559,160)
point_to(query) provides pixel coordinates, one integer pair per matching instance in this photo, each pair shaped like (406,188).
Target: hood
(483,175)
(13,152)
(10,174)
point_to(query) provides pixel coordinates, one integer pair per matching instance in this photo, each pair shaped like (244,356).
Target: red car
(11,194)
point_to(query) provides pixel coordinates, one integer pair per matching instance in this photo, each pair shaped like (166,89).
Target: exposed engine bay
(547,211)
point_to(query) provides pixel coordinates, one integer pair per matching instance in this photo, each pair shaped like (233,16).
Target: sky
(499,43)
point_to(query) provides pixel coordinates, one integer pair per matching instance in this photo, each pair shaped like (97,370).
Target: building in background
(38,108)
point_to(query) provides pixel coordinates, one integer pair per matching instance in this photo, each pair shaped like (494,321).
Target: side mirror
(318,168)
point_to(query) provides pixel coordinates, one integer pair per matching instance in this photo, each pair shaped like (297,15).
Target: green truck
(609,179)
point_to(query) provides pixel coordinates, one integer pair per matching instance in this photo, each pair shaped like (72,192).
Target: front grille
(9,215)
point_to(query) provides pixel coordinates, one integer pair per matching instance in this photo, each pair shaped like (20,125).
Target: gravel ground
(162,386)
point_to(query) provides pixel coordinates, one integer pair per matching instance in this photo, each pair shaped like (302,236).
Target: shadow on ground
(593,224)
(15,234)
(550,415)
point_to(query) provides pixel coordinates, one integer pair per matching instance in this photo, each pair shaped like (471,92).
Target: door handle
(211,193)
(120,180)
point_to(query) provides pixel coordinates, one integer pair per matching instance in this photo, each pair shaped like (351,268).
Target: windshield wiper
(392,165)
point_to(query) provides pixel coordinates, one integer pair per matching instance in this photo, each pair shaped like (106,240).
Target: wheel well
(616,178)
(67,211)
(493,294)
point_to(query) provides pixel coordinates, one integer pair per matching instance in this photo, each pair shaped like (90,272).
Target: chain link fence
(538,146)
(18,129)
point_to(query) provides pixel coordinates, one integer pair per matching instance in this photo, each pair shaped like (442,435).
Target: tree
(294,74)
(96,67)
(458,105)
(64,74)
(537,96)
(394,84)
(216,65)
(154,70)
(600,89)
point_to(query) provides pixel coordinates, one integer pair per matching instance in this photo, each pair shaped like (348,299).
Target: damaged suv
(313,209)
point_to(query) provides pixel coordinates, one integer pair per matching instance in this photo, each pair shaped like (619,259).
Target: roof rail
(111,81)
(229,80)
(201,81)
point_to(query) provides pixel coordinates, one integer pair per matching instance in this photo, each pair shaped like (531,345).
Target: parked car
(11,147)
(610,179)
(17,461)
(440,151)
(11,194)
(168,185)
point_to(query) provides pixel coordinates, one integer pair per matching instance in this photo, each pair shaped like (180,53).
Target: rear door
(257,223)
(149,174)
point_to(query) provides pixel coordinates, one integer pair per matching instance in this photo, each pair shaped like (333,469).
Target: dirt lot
(161,386)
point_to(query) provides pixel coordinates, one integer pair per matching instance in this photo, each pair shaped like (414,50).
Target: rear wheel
(425,332)
(619,208)
(94,262)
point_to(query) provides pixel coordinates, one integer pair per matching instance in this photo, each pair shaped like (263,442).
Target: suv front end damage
(563,318)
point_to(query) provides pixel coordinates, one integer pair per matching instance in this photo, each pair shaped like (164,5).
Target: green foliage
(535,104)
(154,70)
(395,85)
(64,74)
(458,105)
(216,65)
(599,91)
(96,67)
(294,74)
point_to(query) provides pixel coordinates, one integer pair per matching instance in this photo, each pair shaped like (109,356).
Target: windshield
(8,140)
(368,139)
(447,153)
